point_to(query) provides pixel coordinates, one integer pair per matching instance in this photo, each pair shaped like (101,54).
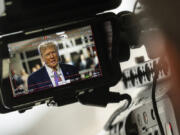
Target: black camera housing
(29,14)
(67,94)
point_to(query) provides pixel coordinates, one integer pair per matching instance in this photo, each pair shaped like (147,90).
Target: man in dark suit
(53,73)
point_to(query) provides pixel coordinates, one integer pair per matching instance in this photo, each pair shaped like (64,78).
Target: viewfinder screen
(53,60)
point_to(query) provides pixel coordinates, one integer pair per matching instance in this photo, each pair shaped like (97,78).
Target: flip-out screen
(53,60)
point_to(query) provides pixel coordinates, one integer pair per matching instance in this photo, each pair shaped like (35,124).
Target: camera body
(84,40)
(87,37)
(27,15)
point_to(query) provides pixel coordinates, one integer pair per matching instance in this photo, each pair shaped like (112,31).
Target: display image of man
(53,73)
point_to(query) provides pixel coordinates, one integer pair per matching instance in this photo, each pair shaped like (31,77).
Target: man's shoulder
(68,67)
(38,73)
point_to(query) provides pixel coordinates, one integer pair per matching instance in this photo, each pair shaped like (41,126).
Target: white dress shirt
(60,74)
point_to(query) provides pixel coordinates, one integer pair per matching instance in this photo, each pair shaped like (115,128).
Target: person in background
(83,63)
(68,61)
(34,69)
(89,60)
(38,66)
(17,81)
(24,77)
(96,61)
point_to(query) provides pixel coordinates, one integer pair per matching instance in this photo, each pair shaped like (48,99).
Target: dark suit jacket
(40,79)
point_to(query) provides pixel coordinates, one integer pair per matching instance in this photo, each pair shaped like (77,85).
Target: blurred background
(74,119)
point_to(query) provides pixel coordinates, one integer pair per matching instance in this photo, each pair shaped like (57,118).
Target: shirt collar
(51,70)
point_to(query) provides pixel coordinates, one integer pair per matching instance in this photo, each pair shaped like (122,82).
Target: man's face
(50,57)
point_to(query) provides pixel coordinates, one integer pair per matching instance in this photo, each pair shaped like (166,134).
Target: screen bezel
(110,68)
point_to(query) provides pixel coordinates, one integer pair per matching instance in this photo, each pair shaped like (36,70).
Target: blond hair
(46,44)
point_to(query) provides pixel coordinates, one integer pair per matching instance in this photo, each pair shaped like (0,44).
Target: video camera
(68,38)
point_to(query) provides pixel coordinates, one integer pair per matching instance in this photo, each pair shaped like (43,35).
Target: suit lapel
(46,76)
(65,73)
